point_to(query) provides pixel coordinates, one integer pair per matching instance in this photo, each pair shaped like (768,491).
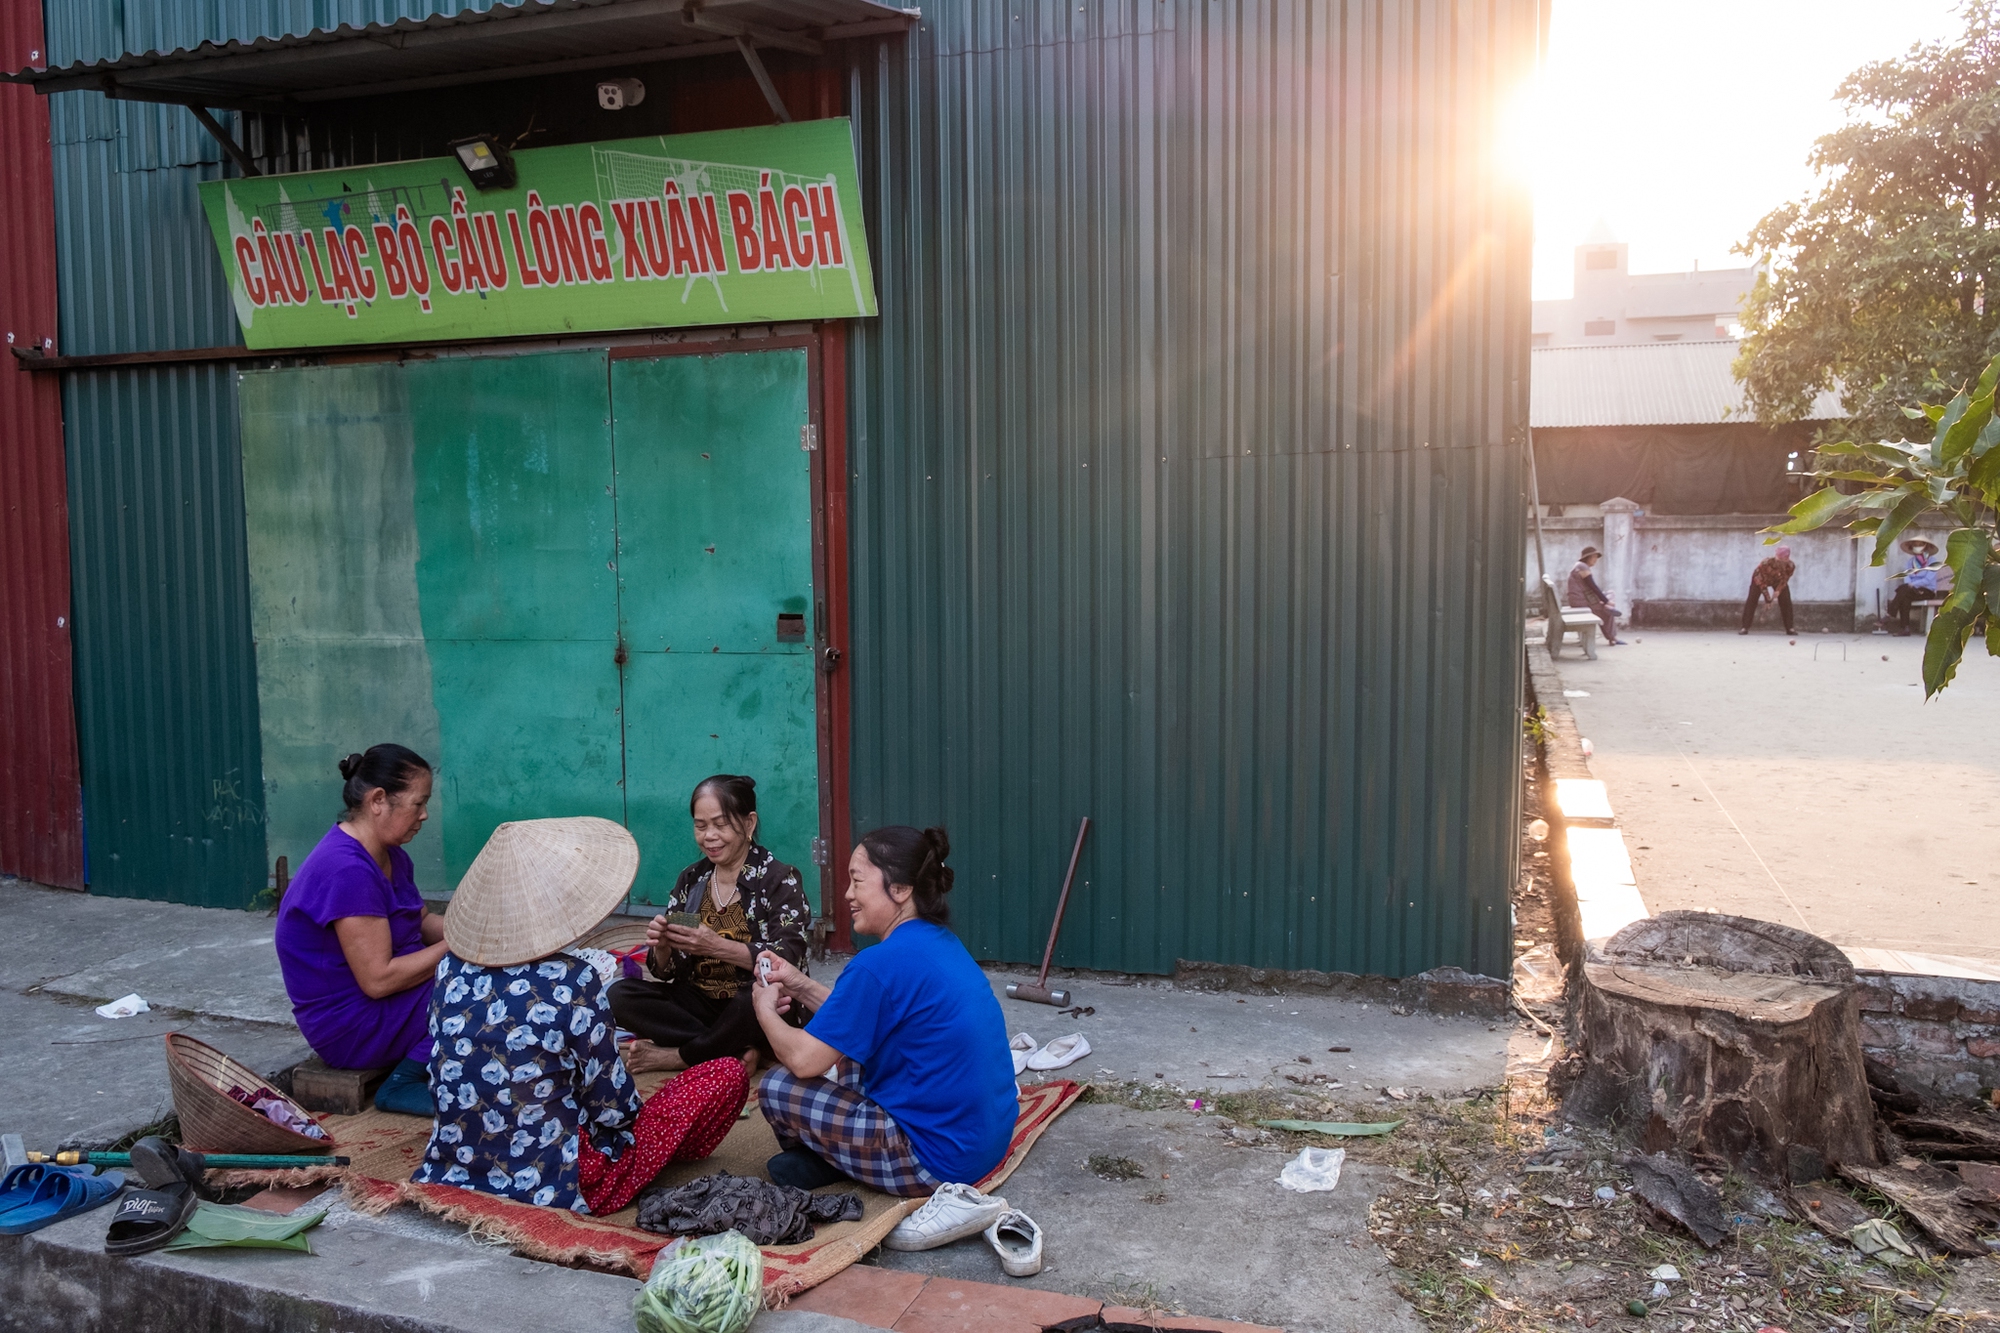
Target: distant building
(1647,451)
(1663,424)
(1613,306)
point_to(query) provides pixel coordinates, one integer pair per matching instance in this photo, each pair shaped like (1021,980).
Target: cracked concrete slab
(1206,1228)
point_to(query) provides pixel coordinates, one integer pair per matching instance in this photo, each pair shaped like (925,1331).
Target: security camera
(617,94)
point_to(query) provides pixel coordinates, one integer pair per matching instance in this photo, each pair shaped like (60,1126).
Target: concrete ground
(1213,1233)
(1805,782)
(1207,1229)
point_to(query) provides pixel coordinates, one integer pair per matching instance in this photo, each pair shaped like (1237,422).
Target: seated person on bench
(925,1093)
(734,903)
(533,1103)
(355,943)
(1920,581)
(1582,590)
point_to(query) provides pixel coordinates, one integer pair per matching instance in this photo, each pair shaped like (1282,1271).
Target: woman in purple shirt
(357,946)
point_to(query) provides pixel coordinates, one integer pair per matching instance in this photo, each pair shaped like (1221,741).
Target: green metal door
(715,597)
(515,513)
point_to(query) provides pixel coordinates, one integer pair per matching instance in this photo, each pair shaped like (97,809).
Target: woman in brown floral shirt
(746,901)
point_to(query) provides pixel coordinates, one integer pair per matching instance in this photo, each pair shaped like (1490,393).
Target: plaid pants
(839,1123)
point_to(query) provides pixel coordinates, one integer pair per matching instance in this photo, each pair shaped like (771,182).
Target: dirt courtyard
(1805,782)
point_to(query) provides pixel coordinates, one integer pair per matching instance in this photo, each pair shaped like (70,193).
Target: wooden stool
(321,1088)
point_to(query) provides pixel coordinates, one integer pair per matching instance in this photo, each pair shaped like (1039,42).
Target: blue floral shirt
(525,1058)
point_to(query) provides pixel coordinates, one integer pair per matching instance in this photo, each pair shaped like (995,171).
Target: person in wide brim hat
(1922,579)
(533,1103)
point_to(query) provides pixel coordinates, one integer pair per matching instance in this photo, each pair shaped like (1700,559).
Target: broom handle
(1055,927)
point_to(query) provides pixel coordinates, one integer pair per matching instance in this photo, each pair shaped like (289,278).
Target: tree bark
(1724,1037)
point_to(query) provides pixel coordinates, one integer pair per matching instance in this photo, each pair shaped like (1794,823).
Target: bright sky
(1680,125)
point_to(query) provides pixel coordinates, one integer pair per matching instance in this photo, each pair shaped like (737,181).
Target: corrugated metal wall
(165,673)
(41,815)
(1187,484)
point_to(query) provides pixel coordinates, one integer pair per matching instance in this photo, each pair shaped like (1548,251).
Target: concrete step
(360,1279)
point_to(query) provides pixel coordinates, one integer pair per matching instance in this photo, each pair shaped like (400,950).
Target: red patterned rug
(384,1149)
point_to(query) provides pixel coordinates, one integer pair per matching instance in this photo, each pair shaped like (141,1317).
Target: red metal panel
(41,806)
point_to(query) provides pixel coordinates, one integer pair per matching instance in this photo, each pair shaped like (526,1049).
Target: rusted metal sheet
(41,812)
(1187,478)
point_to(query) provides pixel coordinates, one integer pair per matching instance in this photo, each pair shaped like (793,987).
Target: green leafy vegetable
(713,1284)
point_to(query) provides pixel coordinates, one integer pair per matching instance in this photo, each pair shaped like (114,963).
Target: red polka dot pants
(684,1121)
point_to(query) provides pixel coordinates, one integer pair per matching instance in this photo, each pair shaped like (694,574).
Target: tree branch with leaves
(1881,488)
(1880,286)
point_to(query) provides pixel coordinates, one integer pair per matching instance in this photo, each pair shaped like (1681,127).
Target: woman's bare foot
(643,1057)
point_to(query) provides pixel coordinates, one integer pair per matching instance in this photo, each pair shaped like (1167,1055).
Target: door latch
(809,438)
(829,660)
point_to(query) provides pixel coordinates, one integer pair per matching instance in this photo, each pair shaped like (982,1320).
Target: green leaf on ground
(1345,1128)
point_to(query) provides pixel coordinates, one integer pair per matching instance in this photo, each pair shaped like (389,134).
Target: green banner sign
(731,227)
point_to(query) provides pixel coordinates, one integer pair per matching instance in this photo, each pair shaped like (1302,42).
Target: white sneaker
(953,1213)
(1018,1242)
(1062,1051)
(1023,1046)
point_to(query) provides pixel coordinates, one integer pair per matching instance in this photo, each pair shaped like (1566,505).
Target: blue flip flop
(60,1193)
(20,1185)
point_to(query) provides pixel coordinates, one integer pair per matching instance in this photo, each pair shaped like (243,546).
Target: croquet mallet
(1039,992)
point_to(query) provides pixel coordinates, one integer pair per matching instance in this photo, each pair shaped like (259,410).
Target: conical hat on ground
(538,885)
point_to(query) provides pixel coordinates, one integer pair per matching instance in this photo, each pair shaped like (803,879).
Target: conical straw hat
(537,886)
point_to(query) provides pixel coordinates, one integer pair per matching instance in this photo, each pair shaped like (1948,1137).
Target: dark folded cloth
(767,1214)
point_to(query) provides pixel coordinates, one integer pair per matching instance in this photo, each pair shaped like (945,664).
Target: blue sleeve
(855,1016)
(608,1101)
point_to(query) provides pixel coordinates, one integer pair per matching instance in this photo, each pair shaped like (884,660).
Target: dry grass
(1482,1242)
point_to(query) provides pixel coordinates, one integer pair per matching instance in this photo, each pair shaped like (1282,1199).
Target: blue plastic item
(60,1192)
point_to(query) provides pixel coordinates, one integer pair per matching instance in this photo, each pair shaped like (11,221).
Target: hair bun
(747,781)
(350,766)
(938,845)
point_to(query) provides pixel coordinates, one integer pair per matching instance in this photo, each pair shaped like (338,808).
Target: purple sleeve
(349,889)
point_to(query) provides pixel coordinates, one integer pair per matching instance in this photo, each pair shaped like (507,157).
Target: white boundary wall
(1694,568)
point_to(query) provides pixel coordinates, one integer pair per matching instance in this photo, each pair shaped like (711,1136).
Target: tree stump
(1724,1037)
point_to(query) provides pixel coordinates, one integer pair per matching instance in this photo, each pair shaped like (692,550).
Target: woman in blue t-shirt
(925,1093)
(357,946)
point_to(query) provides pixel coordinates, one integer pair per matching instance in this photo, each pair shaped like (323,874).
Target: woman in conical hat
(532,1101)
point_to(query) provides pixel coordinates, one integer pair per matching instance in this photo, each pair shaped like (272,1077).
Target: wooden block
(318,1087)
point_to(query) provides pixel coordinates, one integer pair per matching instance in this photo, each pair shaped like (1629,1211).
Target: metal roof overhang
(526,40)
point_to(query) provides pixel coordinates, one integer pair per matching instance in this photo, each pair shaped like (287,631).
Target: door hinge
(809,438)
(820,857)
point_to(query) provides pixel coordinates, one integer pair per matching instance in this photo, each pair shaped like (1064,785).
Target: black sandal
(147,1219)
(160,1164)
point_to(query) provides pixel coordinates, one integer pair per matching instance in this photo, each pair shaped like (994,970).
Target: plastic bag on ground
(1313,1169)
(712,1284)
